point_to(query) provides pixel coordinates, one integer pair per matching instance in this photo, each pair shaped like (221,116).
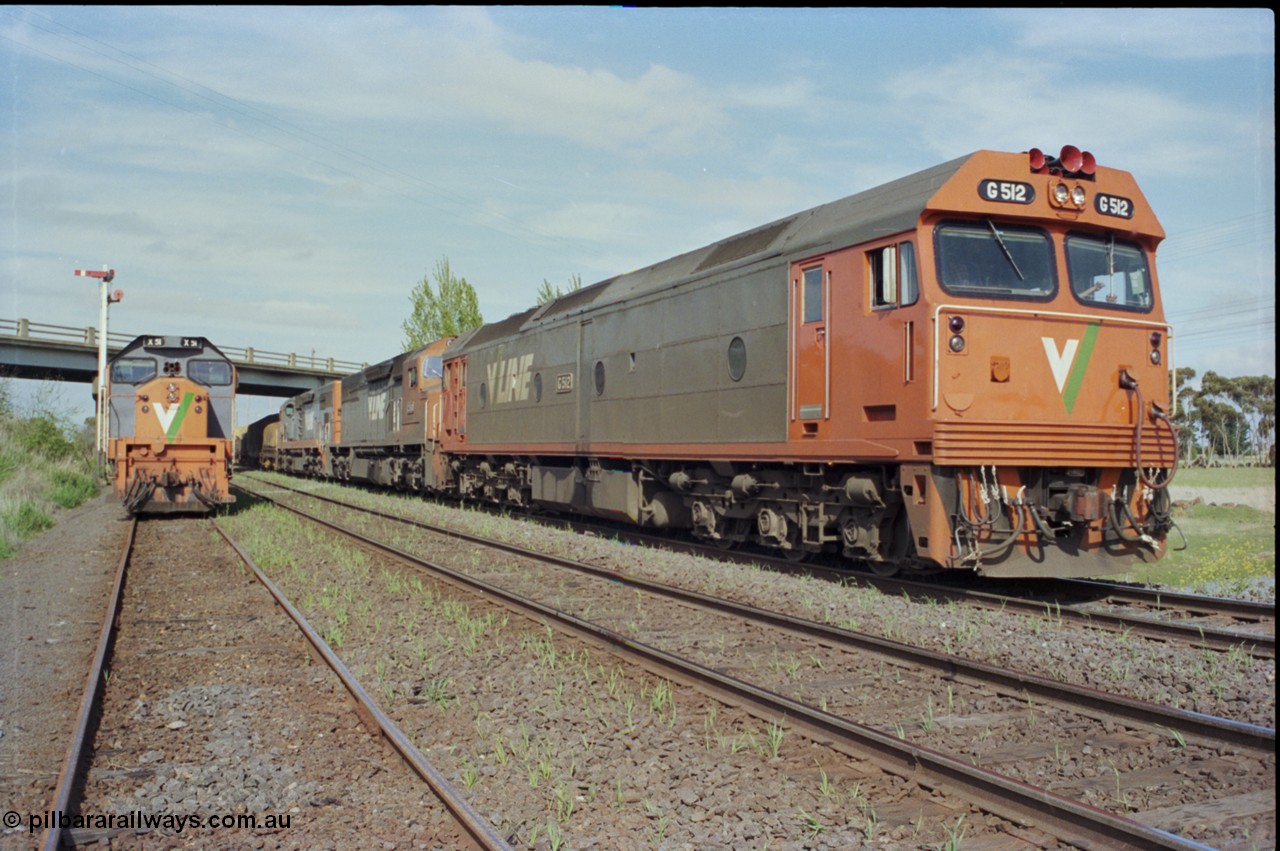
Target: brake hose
(1129,383)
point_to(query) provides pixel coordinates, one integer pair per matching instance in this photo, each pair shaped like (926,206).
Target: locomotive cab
(1049,360)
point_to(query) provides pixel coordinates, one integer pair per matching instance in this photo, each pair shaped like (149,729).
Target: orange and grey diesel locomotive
(171,408)
(378,425)
(965,368)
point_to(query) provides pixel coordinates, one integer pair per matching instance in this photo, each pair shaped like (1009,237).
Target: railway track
(963,618)
(988,692)
(1211,623)
(1253,621)
(192,672)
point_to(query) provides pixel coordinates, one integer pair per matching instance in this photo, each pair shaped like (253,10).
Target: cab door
(412,403)
(810,404)
(455,404)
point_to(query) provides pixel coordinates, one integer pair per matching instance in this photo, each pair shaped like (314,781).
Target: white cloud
(408,67)
(990,101)
(1174,34)
(658,111)
(345,149)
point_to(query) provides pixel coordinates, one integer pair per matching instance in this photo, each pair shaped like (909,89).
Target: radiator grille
(1048,445)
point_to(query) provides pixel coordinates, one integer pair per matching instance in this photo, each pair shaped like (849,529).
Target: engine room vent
(741,246)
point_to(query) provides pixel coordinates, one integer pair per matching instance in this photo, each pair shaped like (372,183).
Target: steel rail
(480,831)
(1244,610)
(1067,819)
(1077,697)
(1203,637)
(92,691)
(1198,636)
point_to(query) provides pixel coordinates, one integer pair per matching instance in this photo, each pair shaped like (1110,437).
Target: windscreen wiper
(1005,249)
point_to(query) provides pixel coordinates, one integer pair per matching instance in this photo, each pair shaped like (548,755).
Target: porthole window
(737,358)
(537,387)
(484,395)
(599,378)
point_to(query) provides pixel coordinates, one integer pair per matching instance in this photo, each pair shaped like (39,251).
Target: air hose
(1129,383)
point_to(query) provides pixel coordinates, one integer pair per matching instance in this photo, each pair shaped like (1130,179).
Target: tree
(548,293)
(1231,418)
(1257,399)
(447,311)
(1184,413)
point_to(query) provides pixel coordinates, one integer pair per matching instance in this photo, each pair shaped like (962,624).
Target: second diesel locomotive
(170,408)
(966,368)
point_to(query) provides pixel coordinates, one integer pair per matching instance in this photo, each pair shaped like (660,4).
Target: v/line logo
(171,417)
(1070,363)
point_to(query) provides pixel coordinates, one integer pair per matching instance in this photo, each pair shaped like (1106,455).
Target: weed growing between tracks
(1040,644)
(556,742)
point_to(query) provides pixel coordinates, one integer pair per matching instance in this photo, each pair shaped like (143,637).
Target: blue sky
(282,177)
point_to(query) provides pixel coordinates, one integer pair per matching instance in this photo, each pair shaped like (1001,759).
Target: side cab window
(891,274)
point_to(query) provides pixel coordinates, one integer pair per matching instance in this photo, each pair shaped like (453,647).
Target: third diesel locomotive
(966,368)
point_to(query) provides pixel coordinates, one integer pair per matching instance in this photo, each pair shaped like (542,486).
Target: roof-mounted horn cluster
(1070,162)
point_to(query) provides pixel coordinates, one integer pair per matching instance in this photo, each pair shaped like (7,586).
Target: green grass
(70,488)
(1224,477)
(42,469)
(26,519)
(1230,548)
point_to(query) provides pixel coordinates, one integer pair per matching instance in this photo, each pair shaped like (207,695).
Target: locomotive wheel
(885,569)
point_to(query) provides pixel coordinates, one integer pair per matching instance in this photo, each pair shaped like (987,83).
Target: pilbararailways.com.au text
(140,820)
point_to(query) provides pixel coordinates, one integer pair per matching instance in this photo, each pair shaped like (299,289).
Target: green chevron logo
(171,418)
(1070,363)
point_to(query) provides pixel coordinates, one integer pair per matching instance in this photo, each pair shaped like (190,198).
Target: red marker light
(1071,158)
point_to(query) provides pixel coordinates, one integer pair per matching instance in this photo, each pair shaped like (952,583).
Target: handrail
(1100,318)
(25,329)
